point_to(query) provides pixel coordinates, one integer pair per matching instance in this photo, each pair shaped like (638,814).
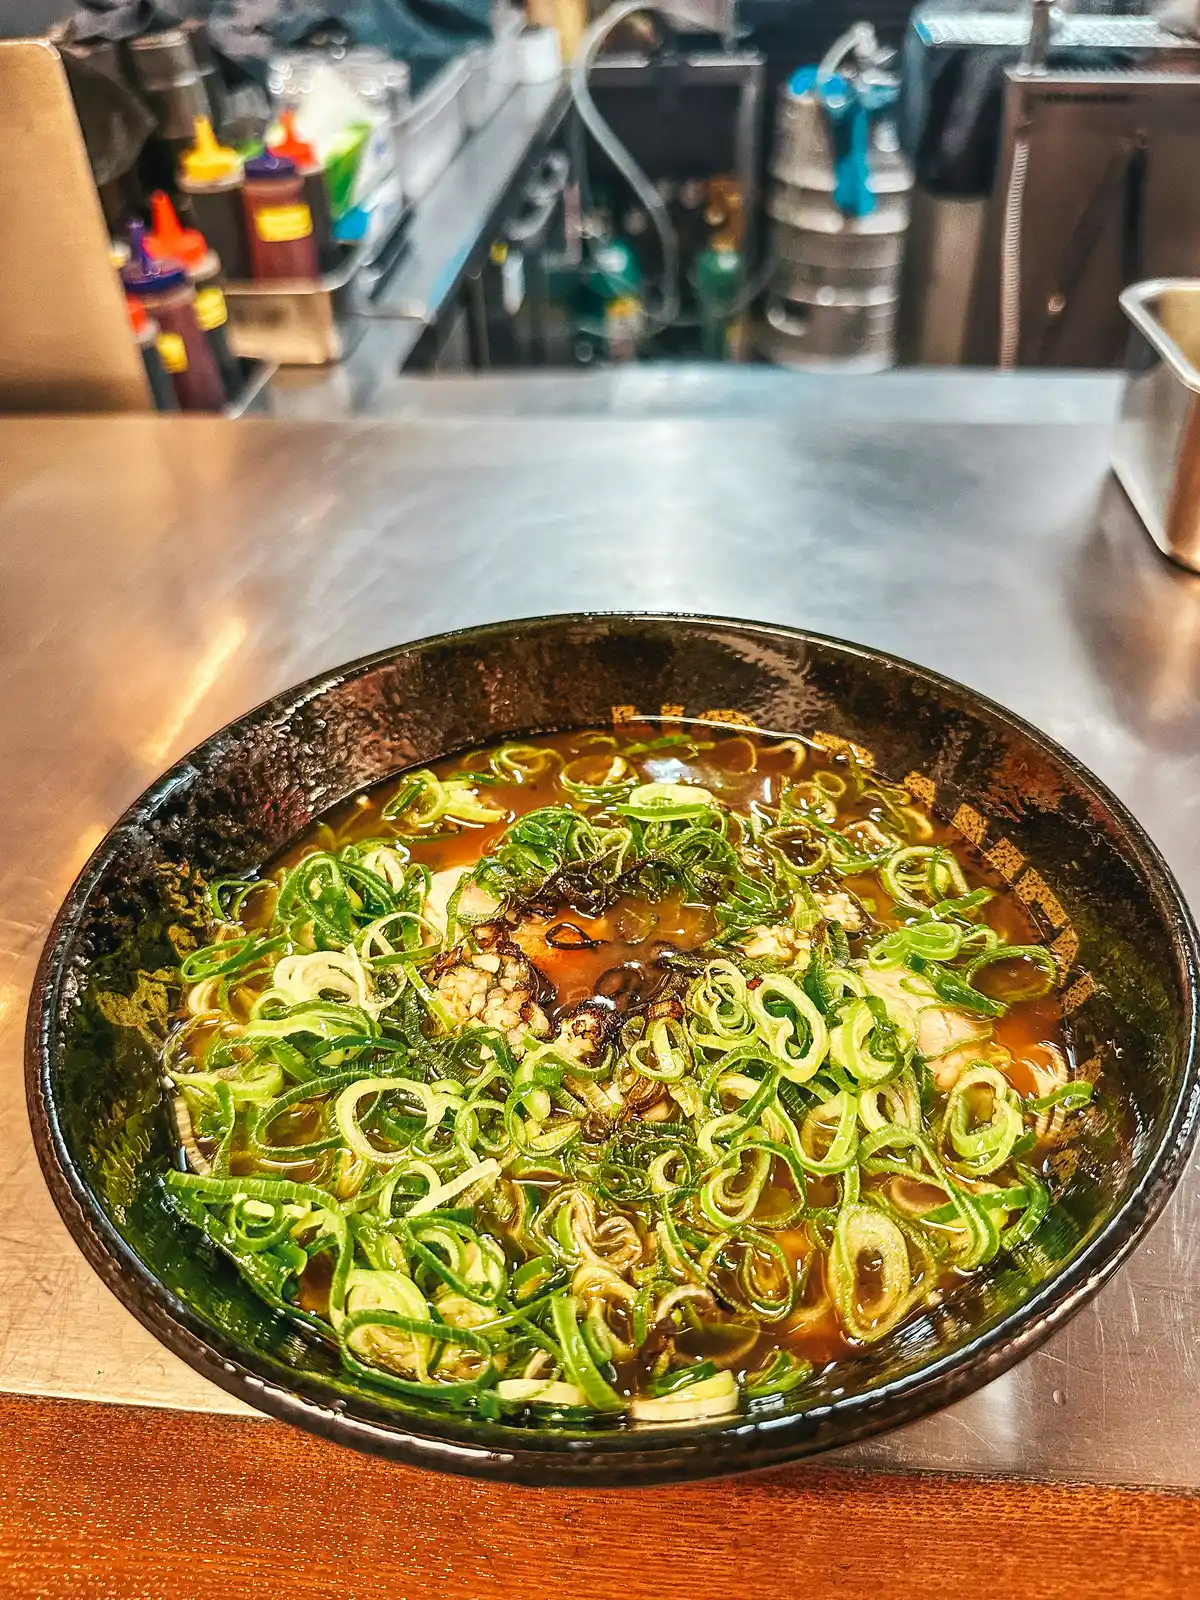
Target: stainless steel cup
(1157,453)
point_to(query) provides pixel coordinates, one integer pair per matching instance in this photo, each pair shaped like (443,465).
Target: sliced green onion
(505,1221)
(701,1402)
(982,1145)
(865,1230)
(665,802)
(1071,1096)
(1037,955)
(578,1363)
(782,1373)
(790,1025)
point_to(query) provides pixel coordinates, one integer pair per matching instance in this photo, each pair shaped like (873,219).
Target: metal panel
(1107,199)
(1157,451)
(65,342)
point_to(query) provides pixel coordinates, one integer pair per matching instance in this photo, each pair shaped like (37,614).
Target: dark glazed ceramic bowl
(1097,885)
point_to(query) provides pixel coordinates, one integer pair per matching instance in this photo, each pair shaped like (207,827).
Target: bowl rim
(664,1454)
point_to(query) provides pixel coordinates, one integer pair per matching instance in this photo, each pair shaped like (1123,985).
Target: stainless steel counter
(160,575)
(702,389)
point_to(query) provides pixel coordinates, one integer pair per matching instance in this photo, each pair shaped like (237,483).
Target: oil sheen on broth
(632,1075)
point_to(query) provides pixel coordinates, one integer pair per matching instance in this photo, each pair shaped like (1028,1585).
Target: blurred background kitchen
(305,207)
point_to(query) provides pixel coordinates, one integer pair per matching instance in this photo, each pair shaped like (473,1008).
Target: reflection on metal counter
(1157,450)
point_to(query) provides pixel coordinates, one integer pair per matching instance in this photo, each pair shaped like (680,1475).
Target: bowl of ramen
(615,1049)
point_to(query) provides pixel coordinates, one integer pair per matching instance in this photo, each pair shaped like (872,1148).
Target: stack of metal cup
(838,255)
(176,89)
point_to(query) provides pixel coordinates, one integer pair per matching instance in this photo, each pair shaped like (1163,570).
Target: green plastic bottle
(614,296)
(717,275)
(615,274)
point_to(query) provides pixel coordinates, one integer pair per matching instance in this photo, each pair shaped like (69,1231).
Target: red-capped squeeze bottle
(145,331)
(307,163)
(164,290)
(170,241)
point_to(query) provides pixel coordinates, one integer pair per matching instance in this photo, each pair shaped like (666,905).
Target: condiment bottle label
(283,224)
(172,351)
(211,310)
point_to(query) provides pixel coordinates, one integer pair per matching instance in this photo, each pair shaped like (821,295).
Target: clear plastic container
(290,76)
(429,136)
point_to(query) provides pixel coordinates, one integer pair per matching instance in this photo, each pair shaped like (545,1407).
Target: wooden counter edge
(101,1502)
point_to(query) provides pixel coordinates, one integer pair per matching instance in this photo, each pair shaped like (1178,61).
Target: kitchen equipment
(1091,878)
(279,222)
(484,92)
(313,323)
(1157,450)
(295,324)
(539,55)
(507,47)
(493,71)
(955,59)
(382,84)
(170,241)
(839,206)
(812,211)
(804,155)
(1094,192)
(966,109)
(168,294)
(195,31)
(830,329)
(210,179)
(146,332)
(806,261)
(510,311)
(303,156)
(290,76)
(668,126)
(940,259)
(65,341)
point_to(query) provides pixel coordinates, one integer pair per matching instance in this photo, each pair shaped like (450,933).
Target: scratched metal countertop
(158,576)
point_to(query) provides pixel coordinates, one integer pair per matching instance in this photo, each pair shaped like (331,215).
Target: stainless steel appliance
(1095,190)
(1157,450)
(1078,120)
